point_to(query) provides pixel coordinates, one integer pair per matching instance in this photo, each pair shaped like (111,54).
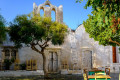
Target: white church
(78,52)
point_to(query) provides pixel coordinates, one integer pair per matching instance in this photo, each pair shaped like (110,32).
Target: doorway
(87,59)
(53,62)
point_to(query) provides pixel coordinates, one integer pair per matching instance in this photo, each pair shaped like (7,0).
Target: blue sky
(73,13)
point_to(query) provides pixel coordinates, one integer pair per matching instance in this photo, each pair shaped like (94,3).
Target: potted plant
(8,62)
(23,66)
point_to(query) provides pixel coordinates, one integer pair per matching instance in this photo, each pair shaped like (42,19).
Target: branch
(33,43)
(35,49)
(114,42)
(43,46)
(39,45)
(45,43)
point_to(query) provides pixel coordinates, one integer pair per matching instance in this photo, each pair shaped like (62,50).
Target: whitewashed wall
(72,50)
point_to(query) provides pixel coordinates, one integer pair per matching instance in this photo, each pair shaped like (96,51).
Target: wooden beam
(114,54)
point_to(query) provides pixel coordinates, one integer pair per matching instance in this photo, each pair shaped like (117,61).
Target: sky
(73,13)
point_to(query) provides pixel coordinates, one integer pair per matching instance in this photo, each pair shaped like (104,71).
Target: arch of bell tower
(47,10)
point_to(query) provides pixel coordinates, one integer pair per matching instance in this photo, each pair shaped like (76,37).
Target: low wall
(21,73)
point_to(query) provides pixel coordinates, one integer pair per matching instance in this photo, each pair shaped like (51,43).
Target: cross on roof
(47,0)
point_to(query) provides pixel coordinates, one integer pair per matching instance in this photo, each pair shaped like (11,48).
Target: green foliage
(8,63)
(79,1)
(34,28)
(23,66)
(2,29)
(103,25)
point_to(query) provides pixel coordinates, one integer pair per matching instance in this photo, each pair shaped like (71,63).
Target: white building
(77,53)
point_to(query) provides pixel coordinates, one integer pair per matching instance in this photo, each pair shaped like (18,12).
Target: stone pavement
(115,76)
(50,77)
(19,73)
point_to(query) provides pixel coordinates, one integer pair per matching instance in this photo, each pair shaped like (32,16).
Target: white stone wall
(26,53)
(119,57)
(71,51)
(101,54)
(79,41)
(118,54)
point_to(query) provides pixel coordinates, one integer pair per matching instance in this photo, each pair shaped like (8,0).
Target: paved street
(115,76)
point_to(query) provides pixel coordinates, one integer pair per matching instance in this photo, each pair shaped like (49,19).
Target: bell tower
(47,10)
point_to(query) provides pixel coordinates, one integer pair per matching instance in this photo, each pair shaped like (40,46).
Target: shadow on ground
(50,77)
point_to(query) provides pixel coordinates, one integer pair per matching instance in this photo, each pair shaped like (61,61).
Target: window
(9,53)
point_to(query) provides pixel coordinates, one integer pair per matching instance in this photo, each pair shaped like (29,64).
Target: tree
(104,23)
(36,32)
(2,29)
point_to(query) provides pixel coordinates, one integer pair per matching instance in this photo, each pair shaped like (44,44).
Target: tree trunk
(114,54)
(44,65)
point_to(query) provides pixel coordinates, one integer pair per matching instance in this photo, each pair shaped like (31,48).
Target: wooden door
(87,59)
(53,62)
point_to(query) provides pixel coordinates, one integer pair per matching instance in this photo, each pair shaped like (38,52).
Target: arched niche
(41,11)
(53,14)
